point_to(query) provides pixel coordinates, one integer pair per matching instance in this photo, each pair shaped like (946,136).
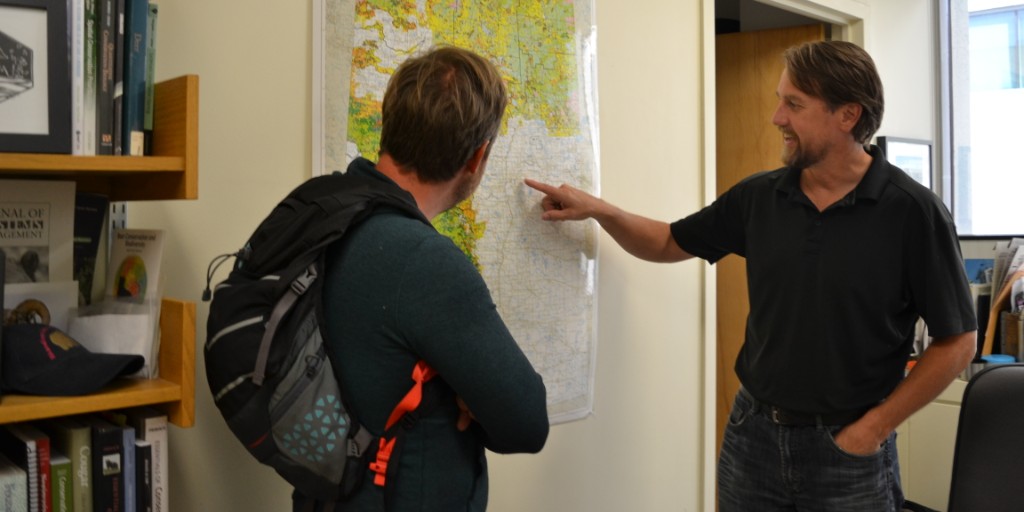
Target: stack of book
(112,69)
(1004,331)
(112,462)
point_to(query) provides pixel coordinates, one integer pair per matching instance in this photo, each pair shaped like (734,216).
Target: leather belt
(784,417)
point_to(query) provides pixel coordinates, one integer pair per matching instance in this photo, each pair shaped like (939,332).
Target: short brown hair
(839,73)
(439,108)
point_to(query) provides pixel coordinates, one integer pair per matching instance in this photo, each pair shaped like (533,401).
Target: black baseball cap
(41,360)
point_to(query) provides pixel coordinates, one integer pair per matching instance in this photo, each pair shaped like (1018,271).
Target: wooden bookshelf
(173,391)
(171,173)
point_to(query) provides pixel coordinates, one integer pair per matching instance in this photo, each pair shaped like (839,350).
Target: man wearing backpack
(397,292)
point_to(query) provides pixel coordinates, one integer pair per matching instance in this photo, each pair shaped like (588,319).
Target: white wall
(253,62)
(642,448)
(903,42)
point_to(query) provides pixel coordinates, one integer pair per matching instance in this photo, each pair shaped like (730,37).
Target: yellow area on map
(531,42)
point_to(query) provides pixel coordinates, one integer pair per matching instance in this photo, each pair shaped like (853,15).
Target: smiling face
(809,128)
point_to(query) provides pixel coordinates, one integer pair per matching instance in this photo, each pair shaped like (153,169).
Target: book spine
(151,426)
(22,452)
(151,19)
(156,433)
(78,77)
(3,283)
(134,104)
(143,476)
(43,461)
(107,464)
(60,483)
(105,78)
(81,468)
(128,468)
(33,476)
(89,256)
(90,77)
(119,51)
(13,486)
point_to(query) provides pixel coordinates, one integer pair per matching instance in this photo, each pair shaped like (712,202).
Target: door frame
(848,19)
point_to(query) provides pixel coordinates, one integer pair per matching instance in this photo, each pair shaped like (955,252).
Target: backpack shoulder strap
(421,373)
(325,207)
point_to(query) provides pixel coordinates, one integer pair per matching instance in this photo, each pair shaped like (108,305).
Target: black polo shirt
(834,295)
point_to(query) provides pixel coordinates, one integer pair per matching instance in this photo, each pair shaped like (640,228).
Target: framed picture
(914,156)
(35,88)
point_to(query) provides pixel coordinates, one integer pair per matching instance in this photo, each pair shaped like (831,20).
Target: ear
(849,115)
(476,161)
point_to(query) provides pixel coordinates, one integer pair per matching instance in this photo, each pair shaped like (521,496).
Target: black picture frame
(35,84)
(914,156)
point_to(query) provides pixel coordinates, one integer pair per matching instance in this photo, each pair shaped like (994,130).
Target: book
(119,51)
(36,219)
(133,113)
(13,486)
(128,437)
(90,76)
(128,467)
(3,312)
(21,449)
(73,437)
(90,257)
(60,482)
(107,460)
(151,426)
(154,11)
(143,476)
(135,264)
(106,34)
(77,13)
(30,432)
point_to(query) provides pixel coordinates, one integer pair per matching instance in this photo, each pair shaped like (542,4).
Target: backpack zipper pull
(313,363)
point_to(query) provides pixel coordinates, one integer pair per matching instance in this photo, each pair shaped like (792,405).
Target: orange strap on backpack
(421,373)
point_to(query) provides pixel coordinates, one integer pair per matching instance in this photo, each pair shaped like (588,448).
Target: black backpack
(266,361)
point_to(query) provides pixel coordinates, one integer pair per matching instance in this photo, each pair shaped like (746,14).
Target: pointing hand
(564,202)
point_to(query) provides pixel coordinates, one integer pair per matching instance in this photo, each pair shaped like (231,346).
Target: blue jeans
(768,467)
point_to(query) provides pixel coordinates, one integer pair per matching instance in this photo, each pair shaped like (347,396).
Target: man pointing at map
(844,252)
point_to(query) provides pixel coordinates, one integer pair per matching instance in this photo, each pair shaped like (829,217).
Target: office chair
(989,451)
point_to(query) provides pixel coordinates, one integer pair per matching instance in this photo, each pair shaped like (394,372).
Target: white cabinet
(925,443)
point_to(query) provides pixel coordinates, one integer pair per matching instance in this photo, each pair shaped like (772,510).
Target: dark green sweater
(396,292)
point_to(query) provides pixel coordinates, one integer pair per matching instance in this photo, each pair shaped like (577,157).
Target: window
(983,115)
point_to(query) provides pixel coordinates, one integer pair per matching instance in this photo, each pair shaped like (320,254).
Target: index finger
(543,187)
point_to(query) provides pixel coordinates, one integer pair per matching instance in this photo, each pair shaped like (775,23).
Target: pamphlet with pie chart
(135,256)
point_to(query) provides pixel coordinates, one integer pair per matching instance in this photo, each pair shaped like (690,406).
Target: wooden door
(748,66)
